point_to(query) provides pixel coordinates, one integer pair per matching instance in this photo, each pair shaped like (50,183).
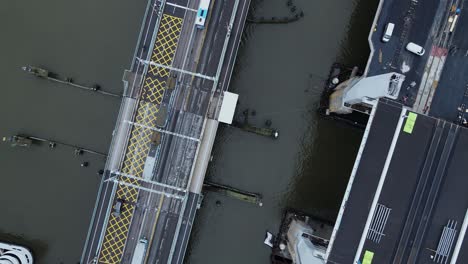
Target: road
(424,23)
(451,92)
(181,70)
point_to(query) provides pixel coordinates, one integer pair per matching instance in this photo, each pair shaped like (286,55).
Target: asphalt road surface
(160,209)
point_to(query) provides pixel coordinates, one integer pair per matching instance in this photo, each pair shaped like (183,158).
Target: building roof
(406,200)
(228,107)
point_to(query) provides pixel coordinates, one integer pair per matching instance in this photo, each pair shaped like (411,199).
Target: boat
(39,72)
(19,140)
(14,254)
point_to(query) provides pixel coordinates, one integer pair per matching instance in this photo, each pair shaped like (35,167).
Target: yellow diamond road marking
(139,143)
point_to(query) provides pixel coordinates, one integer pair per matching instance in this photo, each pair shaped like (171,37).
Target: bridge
(164,132)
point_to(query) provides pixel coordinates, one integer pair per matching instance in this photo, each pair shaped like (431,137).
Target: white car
(415,48)
(388,32)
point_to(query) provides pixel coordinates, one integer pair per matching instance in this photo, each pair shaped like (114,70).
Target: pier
(22,140)
(235,193)
(165,132)
(51,76)
(261,131)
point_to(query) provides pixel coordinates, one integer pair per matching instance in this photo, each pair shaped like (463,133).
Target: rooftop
(406,199)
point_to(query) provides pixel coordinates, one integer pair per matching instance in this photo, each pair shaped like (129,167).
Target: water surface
(48,198)
(280,73)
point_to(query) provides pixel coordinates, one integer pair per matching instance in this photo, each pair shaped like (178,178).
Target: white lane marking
(162,131)
(160,184)
(460,239)
(182,7)
(211,78)
(351,181)
(381,183)
(141,188)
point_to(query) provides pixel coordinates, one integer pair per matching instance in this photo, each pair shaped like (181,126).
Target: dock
(235,193)
(261,131)
(22,140)
(165,131)
(54,77)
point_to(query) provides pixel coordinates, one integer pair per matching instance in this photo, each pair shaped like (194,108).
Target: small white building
(364,90)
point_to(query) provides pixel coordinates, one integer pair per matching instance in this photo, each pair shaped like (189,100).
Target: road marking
(383,175)
(158,65)
(154,226)
(223,57)
(117,230)
(147,181)
(113,245)
(409,124)
(460,239)
(155,83)
(163,131)
(182,7)
(137,186)
(192,208)
(116,233)
(347,193)
(430,79)
(147,33)
(368,256)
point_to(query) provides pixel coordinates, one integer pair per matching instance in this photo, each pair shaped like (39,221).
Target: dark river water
(47,197)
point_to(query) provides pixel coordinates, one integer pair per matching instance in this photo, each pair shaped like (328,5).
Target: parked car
(415,48)
(117,208)
(388,32)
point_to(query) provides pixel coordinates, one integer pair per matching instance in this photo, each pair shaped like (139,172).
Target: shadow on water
(327,151)
(324,168)
(246,35)
(356,49)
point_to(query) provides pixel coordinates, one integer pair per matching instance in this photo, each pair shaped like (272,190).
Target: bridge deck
(159,128)
(407,190)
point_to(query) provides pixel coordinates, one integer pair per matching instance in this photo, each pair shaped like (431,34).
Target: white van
(139,254)
(388,32)
(415,48)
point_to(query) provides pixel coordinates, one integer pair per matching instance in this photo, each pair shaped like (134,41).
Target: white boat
(14,254)
(268,239)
